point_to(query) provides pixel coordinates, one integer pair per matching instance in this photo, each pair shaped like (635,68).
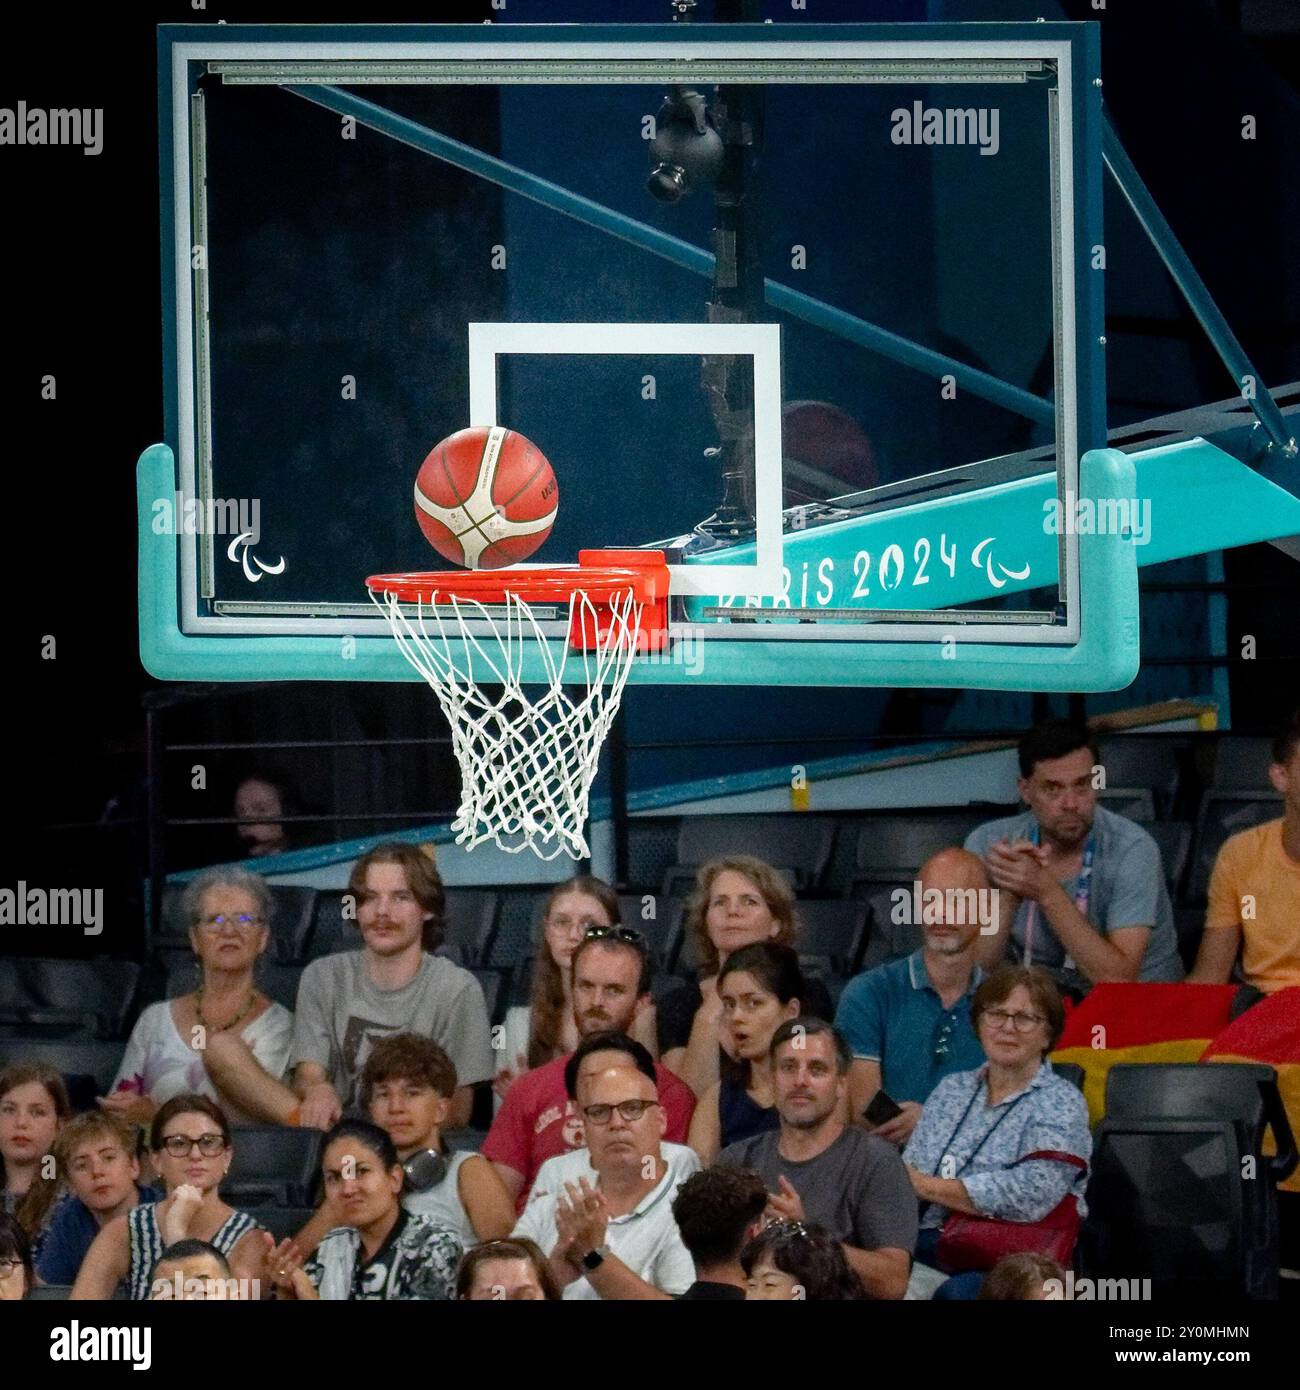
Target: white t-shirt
(168,1066)
(443,1202)
(646,1239)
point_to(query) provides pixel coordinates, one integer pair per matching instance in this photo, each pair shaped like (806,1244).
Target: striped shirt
(147,1244)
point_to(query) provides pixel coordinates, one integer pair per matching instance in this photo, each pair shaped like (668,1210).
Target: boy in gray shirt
(347,1002)
(1081,890)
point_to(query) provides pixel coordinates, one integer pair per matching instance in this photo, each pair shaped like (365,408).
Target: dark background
(81,271)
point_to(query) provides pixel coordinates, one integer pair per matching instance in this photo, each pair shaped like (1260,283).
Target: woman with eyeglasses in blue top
(225,1039)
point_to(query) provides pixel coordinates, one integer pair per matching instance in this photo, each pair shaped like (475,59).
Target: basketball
(486,497)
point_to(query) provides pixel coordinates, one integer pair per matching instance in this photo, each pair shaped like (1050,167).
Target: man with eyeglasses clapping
(611,1234)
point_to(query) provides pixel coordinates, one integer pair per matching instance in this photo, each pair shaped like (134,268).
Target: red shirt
(537,1120)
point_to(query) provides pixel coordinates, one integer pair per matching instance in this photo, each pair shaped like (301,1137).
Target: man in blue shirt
(95,1153)
(908,1021)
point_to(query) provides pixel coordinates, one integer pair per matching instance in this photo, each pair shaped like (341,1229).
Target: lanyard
(1081,895)
(970,1158)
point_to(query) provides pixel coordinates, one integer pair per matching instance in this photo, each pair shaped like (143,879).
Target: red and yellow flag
(1140,1023)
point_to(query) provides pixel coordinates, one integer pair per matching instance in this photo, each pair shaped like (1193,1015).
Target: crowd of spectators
(734,1137)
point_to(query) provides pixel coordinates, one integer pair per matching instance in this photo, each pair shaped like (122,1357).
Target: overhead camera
(687,150)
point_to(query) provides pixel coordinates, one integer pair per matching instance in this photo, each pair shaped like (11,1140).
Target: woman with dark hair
(16,1275)
(790,1261)
(506,1271)
(262,798)
(381,1252)
(737,902)
(1011,1137)
(760,986)
(190,1141)
(33,1107)
(544,1028)
(226,1039)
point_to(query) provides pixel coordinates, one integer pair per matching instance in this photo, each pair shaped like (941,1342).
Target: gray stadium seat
(1223,814)
(282,1222)
(1136,803)
(93,997)
(892,847)
(1174,837)
(49,1293)
(651,850)
(272,1164)
(835,929)
(886,939)
(517,928)
(496,990)
(803,843)
(1151,761)
(657,929)
(1241,764)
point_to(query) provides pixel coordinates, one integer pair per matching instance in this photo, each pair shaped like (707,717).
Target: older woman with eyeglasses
(1008,1140)
(190,1141)
(225,1039)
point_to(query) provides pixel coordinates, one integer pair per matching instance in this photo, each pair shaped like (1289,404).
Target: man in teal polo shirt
(908,1021)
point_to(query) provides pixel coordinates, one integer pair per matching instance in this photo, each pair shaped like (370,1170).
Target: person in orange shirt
(1255,890)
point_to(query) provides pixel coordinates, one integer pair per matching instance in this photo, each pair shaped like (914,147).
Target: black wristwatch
(593,1259)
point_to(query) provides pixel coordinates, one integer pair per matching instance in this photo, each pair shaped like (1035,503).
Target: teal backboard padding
(1105,657)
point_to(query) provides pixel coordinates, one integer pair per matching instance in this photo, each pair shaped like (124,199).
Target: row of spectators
(929,1099)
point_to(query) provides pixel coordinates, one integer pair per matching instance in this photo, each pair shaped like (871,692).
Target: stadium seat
(891,848)
(1168,1197)
(660,930)
(886,939)
(92,998)
(1150,761)
(834,929)
(1136,803)
(1174,837)
(1071,1071)
(272,1164)
(1241,764)
(651,850)
(1189,923)
(49,1293)
(803,843)
(1223,814)
(282,1222)
(516,930)
(823,969)
(496,990)
(88,1066)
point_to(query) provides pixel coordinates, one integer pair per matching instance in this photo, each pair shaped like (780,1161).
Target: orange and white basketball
(486,497)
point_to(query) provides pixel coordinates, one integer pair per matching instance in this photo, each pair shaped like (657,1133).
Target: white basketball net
(527,761)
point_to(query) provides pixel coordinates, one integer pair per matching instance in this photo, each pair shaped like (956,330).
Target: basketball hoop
(527,761)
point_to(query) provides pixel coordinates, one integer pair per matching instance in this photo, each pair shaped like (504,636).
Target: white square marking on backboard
(759,341)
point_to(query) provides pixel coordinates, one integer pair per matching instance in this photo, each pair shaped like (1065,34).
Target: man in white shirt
(611,1234)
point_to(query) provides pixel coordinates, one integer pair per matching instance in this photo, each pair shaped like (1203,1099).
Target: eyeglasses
(630,1110)
(1022,1023)
(789,1228)
(628,934)
(945,1032)
(181,1145)
(242,920)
